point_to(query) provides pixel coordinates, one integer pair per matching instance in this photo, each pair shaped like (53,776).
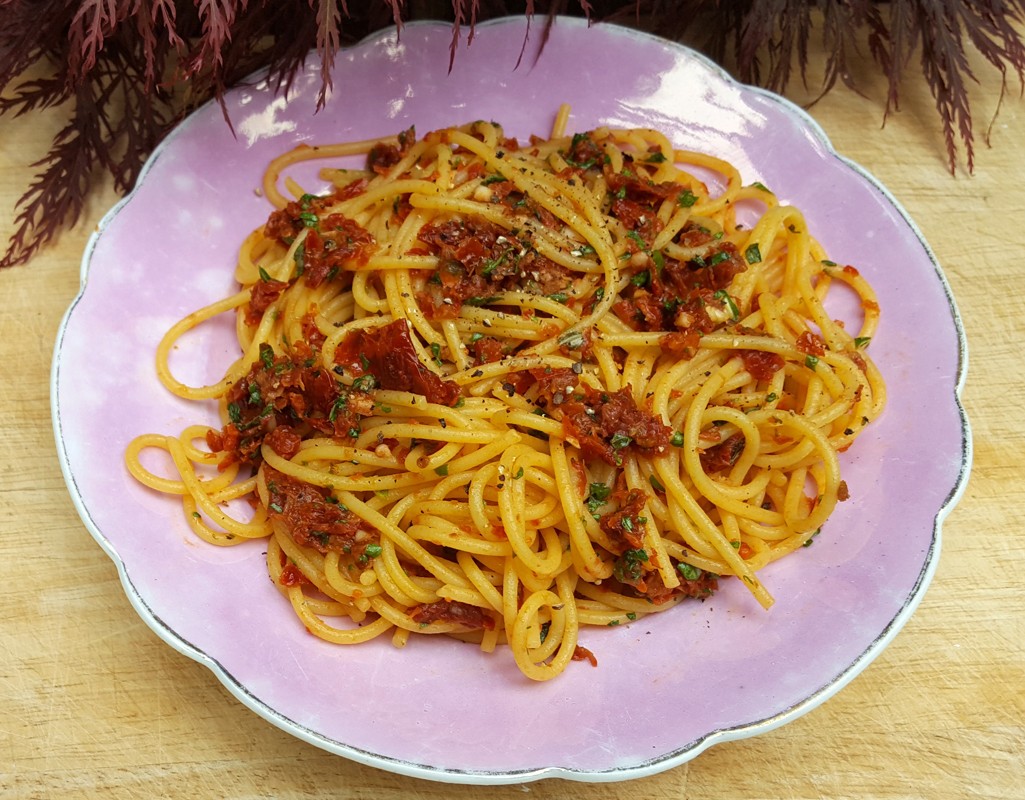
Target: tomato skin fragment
(388,354)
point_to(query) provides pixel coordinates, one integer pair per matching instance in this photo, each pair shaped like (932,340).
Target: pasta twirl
(504,391)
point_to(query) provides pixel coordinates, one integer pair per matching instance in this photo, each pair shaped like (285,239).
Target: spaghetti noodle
(503,391)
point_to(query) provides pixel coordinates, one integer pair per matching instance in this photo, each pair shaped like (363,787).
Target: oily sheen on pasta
(505,390)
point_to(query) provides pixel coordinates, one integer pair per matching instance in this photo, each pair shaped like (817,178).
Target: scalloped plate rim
(481,777)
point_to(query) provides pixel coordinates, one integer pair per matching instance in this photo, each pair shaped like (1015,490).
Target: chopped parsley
(572,340)
(641,279)
(723,295)
(365,383)
(688,571)
(630,566)
(620,440)
(482,301)
(597,494)
(267,355)
(686,199)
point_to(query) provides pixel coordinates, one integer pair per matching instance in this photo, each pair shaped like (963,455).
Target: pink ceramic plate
(667,687)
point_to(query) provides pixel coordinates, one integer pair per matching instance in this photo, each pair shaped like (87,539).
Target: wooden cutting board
(94,705)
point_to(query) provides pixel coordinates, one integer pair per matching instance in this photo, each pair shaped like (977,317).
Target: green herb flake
(686,199)
(492,264)
(688,571)
(340,402)
(638,239)
(572,340)
(676,440)
(628,567)
(267,355)
(365,383)
(723,295)
(373,550)
(442,470)
(811,361)
(597,494)
(862,341)
(482,301)
(753,254)
(641,279)
(620,440)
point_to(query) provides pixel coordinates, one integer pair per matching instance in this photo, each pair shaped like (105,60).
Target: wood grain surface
(94,705)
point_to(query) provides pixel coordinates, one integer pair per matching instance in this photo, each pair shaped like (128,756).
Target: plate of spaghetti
(525,420)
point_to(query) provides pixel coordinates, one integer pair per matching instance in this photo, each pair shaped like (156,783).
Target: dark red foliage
(132,69)
(764,40)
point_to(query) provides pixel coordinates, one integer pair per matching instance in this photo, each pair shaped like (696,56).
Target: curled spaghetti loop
(503,391)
